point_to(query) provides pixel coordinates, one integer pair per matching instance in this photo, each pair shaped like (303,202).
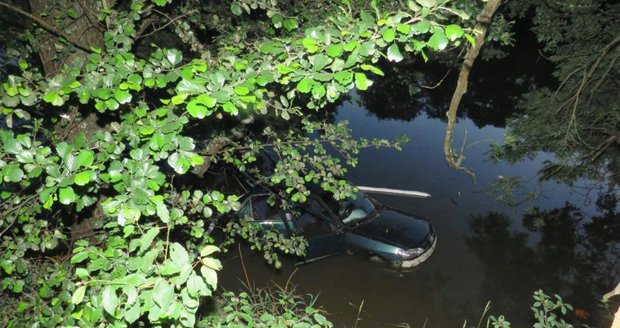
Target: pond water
(485,252)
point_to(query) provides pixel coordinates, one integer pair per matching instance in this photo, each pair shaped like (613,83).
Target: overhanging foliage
(99,225)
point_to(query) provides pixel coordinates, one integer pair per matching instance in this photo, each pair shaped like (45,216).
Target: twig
(605,74)
(438,83)
(171,21)
(359,312)
(245,272)
(289,279)
(47,26)
(484,313)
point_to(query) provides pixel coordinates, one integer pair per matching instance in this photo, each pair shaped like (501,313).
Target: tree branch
(46,26)
(454,161)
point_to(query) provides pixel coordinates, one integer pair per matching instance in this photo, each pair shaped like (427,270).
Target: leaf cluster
(111,140)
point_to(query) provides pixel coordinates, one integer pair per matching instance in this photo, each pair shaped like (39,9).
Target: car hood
(396,228)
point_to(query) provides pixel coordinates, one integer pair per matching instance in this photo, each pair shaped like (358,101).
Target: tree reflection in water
(564,251)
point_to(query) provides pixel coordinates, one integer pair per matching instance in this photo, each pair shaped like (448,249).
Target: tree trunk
(483,20)
(84,30)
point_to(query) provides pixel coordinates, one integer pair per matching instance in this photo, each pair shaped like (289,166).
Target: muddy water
(484,253)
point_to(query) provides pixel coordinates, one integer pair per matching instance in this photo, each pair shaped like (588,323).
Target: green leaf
(179,163)
(66,196)
(163,293)
(147,239)
(10,90)
(388,34)
(122,97)
(421,27)
(174,56)
(133,313)
(208,250)
(374,69)
(7,265)
(53,98)
(162,212)
(242,90)
(319,62)
(344,77)
(461,13)
(15,174)
(290,24)
(196,109)
(367,48)
(82,273)
(305,85)
(179,255)
(169,268)
(210,276)
(361,82)
(83,178)
(229,107)
(78,295)
(404,28)
(74,85)
(196,160)
(471,39)
(335,50)
(318,91)
(79,257)
(206,100)
(191,87)
(427,3)
(320,319)
(109,300)
(196,285)
(310,45)
(283,69)
(453,32)
(438,40)
(160,2)
(212,263)
(23,64)
(393,53)
(236,9)
(85,158)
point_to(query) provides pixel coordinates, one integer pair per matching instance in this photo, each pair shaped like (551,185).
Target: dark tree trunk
(82,33)
(85,30)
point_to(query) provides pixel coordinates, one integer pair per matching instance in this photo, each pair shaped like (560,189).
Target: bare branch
(454,160)
(46,26)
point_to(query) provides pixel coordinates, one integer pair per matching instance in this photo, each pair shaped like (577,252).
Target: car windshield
(353,211)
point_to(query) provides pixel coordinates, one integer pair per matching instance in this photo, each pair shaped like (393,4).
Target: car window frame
(331,217)
(289,218)
(283,217)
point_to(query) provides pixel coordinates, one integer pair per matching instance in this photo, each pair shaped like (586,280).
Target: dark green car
(362,224)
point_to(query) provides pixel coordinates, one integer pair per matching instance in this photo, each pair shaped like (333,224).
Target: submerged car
(359,225)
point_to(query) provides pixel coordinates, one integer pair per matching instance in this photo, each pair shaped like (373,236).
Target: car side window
(262,211)
(312,221)
(310,225)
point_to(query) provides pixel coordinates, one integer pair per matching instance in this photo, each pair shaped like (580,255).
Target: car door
(324,236)
(268,217)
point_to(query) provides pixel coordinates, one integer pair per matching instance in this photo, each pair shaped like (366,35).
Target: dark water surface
(484,253)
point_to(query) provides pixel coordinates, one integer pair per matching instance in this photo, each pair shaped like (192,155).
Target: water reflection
(408,90)
(564,251)
(483,253)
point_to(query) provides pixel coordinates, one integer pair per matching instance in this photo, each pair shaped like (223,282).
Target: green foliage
(577,121)
(504,187)
(269,307)
(545,310)
(111,141)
